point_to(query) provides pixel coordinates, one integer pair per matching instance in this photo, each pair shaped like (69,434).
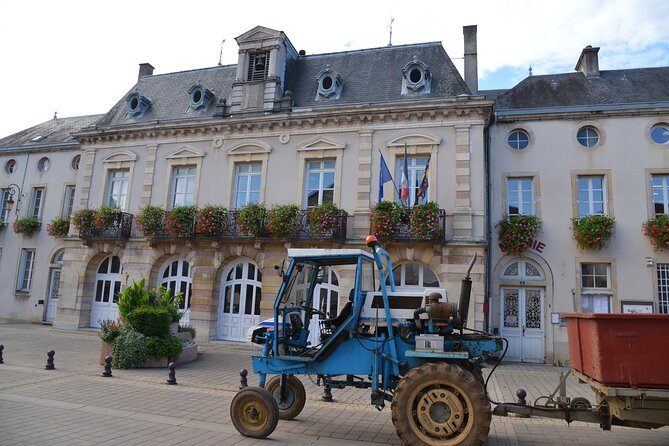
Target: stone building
(590,142)
(279,127)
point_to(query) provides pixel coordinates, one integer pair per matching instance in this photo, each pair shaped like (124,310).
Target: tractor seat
(329,326)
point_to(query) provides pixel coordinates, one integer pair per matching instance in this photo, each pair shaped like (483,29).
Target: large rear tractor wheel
(295,397)
(254,412)
(441,405)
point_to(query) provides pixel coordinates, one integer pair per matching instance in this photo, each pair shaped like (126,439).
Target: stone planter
(174,328)
(105,350)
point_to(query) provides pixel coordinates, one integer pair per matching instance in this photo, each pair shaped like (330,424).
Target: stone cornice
(353,117)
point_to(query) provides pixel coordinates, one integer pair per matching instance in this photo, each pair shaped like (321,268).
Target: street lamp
(11,190)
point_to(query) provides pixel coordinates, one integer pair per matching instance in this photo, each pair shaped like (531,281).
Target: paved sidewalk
(74,405)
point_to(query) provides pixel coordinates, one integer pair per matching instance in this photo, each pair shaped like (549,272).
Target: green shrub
(129,349)
(180,221)
(150,321)
(283,221)
(251,219)
(211,221)
(149,221)
(84,220)
(106,217)
(26,225)
(163,298)
(132,297)
(161,347)
(59,227)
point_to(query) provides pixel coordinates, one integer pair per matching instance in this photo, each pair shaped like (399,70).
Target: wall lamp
(11,190)
(649,261)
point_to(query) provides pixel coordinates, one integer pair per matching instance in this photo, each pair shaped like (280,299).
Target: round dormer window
(326,83)
(415,75)
(197,96)
(75,162)
(134,103)
(660,134)
(43,165)
(10,166)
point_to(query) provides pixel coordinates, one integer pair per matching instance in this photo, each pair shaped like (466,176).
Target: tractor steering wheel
(313,311)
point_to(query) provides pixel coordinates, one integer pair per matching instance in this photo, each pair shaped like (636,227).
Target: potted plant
(657,231)
(26,226)
(59,227)
(425,221)
(133,296)
(84,220)
(516,232)
(180,220)
(150,219)
(323,219)
(109,331)
(211,221)
(592,231)
(283,221)
(106,217)
(251,219)
(385,218)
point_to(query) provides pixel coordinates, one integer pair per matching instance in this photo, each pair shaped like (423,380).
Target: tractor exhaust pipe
(465,295)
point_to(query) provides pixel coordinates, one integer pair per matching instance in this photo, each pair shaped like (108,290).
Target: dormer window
(329,85)
(416,78)
(258,66)
(138,105)
(200,97)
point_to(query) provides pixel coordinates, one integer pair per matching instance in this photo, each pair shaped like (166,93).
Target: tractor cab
(302,326)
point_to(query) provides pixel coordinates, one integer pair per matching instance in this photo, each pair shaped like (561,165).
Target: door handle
(523,330)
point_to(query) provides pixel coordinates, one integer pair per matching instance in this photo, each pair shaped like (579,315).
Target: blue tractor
(411,349)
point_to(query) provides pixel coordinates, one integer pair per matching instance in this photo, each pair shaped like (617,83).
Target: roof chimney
(588,62)
(471,65)
(145,69)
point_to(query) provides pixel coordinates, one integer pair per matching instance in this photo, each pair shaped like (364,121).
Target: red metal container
(621,350)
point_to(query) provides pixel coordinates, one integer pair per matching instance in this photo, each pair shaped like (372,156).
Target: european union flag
(384,177)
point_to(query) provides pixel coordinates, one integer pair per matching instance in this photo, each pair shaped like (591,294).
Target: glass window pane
(329,165)
(236,298)
(248,300)
(312,199)
(429,278)
(116,265)
(314,181)
(255,182)
(588,282)
(98,291)
(104,266)
(411,274)
(256,307)
(328,197)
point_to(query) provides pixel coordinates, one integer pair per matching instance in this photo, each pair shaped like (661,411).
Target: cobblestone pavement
(74,405)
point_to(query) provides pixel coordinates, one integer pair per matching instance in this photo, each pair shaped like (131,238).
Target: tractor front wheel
(295,396)
(441,405)
(254,412)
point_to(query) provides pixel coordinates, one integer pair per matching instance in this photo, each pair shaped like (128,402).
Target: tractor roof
(329,256)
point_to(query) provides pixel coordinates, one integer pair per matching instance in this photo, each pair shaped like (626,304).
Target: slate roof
(369,76)
(53,131)
(612,87)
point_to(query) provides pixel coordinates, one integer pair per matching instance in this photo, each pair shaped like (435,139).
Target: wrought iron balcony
(120,228)
(407,232)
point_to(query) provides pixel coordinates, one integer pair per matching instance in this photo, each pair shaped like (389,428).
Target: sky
(79,57)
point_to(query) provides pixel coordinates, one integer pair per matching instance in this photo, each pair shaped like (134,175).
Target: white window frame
(591,191)
(401,283)
(320,168)
(663,191)
(244,175)
(68,200)
(187,174)
(592,297)
(415,172)
(37,198)
(117,188)
(662,282)
(178,279)
(520,191)
(4,210)
(320,149)
(26,268)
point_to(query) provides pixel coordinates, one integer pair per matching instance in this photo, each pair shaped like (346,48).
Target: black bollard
(49,360)
(327,393)
(2,347)
(243,382)
(521,394)
(107,373)
(172,377)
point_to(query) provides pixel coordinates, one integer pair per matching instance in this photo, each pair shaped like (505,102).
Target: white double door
(239,305)
(522,323)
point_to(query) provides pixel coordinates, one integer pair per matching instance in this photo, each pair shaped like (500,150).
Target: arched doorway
(239,303)
(177,276)
(54,285)
(326,299)
(522,301)
(107,286)
(414,276)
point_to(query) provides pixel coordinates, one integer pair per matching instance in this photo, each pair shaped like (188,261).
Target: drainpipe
(488,229)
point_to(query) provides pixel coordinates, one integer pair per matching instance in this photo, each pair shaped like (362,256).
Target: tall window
(117,189)
(36,202)
(592,195)
(660,185)
(68,201)
(595,288)
(247,184)
(520,196)
(663,287)
(320,183)
(25,270)
(415,167)
(183,186)
(4,211)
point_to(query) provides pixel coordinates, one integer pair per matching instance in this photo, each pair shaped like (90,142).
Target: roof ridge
(362,50)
